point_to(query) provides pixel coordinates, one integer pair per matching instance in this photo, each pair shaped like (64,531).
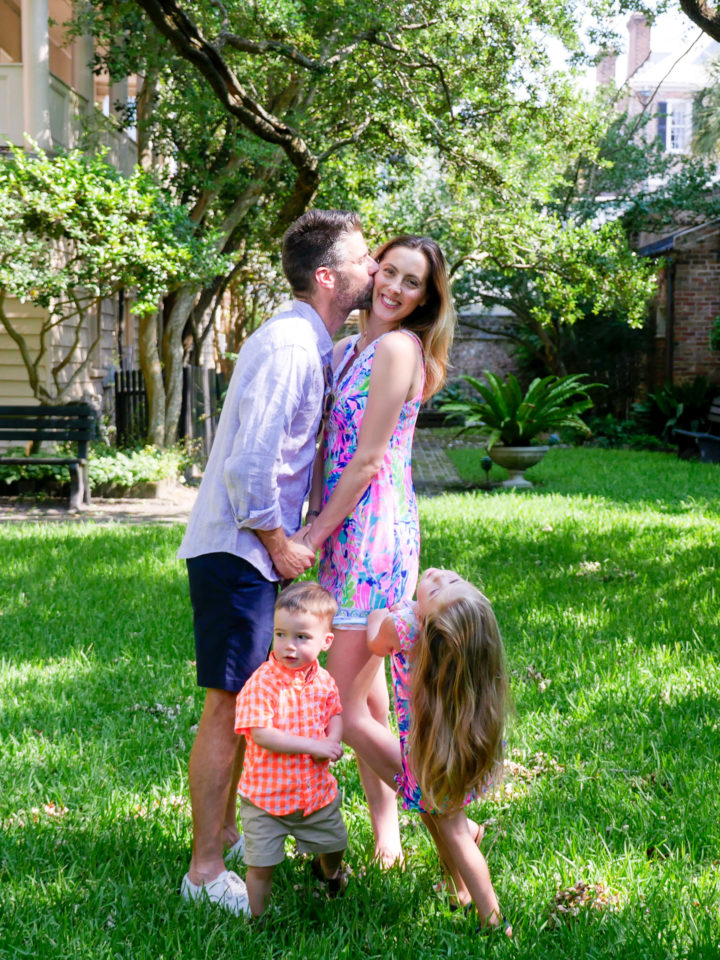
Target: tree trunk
(152,374)
(144,104)
(173,360)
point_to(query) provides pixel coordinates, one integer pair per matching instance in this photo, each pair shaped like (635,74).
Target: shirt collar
(322,337)
(296,678)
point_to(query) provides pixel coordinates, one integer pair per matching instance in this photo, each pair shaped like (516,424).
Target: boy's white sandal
(227,891)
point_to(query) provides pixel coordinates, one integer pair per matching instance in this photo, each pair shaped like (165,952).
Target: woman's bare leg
(363,694)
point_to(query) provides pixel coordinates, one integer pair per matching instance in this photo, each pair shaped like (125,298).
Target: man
(237,542)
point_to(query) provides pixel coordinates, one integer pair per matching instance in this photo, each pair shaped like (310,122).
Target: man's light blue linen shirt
(260,467)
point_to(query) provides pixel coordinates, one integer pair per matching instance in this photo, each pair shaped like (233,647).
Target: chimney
(605,70)
(639,49)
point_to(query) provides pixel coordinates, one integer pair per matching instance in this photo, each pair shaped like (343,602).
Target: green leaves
(515,418)
(73,230)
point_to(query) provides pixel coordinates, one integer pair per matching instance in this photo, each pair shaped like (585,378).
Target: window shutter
(662,123)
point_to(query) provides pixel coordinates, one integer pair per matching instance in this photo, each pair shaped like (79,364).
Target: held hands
(303,537)
(295,558)
(326,749)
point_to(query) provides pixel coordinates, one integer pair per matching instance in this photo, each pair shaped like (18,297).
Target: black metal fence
(131,407)
(201,395)
(203,390)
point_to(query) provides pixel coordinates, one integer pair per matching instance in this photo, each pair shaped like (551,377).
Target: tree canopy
(73,232)
(443,116)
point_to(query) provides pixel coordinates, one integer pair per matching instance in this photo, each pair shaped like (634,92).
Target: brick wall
(489,348)
(697,303)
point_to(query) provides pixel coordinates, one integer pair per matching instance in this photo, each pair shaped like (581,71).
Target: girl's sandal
(490,930)
(465,907)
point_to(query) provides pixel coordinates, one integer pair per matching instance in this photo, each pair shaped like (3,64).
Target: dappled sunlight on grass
(605,584)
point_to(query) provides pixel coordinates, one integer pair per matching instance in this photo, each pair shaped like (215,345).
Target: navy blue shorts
(233,610)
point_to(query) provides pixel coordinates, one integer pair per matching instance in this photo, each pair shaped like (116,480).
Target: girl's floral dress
(407,628)
(371,560)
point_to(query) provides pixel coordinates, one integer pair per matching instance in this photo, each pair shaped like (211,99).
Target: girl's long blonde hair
(434,321)
(459,694)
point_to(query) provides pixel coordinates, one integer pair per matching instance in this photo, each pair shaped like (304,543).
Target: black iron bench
(708,443)
(73,422)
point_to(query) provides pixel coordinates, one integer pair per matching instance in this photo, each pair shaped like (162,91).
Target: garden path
(433,473)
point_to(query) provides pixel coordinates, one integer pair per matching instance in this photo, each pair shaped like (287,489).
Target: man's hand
(326,749)
(295,558)
(290,558)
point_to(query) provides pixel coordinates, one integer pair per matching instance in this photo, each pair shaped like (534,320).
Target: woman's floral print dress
(371,560)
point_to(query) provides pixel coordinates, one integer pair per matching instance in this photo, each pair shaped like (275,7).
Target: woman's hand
(302,537)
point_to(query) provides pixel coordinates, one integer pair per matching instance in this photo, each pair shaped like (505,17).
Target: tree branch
(261,47)
(351,138)
(21,344)
(173,23)
(706,15)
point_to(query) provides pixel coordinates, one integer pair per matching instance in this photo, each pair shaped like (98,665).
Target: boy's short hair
(308,597)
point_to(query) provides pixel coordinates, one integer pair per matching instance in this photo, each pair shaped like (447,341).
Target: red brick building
(688,304)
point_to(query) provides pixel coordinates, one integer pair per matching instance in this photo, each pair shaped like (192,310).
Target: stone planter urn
(516,461)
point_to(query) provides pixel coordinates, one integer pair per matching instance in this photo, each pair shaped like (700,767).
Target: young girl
(451,691)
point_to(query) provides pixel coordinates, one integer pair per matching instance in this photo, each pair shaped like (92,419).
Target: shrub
(128,467)
(106,464)
(515,418)
(683,405)
(608,431)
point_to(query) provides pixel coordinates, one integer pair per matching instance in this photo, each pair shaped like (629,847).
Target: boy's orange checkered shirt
(301,702)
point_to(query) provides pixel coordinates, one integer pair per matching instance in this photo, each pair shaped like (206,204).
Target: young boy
(289,711)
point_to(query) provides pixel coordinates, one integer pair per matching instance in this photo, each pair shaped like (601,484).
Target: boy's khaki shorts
(322,831)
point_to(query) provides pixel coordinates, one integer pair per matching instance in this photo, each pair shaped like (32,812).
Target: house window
(675,125)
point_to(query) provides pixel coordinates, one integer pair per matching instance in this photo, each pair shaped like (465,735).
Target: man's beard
(349,300)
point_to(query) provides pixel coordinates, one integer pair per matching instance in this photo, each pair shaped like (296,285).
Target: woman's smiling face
(400,283)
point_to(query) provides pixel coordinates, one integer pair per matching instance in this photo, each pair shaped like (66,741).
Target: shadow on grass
(110,890)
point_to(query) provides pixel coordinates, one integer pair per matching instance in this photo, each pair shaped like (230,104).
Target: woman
(368,524)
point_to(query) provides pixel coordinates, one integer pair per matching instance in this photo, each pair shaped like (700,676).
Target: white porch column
(83,80)
(118,96)
(36,71)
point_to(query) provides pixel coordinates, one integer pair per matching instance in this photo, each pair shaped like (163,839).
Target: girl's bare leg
(458,890)
(363,694)
(464,860)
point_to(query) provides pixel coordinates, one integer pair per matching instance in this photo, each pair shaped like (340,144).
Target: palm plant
(514,418)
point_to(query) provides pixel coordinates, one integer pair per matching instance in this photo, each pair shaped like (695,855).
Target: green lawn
(605,584)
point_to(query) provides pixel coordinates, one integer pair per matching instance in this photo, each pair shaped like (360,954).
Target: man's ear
(325,277)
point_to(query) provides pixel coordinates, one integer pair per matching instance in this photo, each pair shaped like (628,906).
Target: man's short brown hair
(312,242)
(308,597)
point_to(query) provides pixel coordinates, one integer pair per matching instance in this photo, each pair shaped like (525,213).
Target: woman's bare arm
(392,376)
